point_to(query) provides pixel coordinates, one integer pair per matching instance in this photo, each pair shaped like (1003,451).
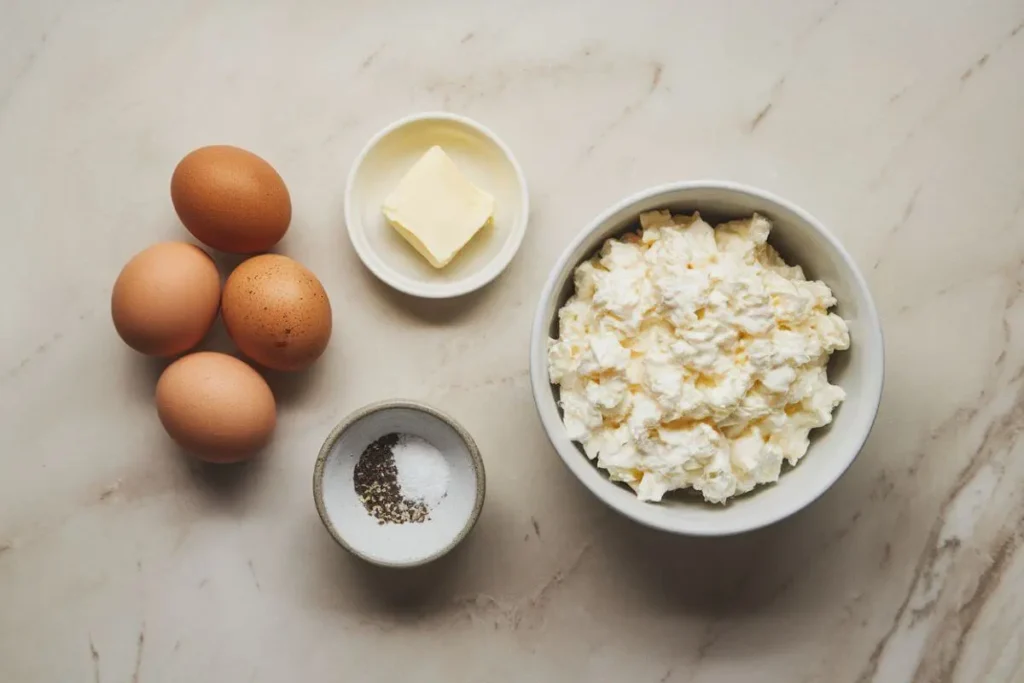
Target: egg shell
(230,199)
(277,312)
(166,298)
(216,406)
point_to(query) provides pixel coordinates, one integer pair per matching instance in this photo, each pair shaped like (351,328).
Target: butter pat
(437,209)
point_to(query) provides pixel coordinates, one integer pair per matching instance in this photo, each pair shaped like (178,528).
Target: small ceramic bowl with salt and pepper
(399,484)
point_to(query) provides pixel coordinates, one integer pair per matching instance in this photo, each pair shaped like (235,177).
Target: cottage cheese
(695,357)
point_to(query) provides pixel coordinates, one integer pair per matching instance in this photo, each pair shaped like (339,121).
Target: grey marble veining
(898,123)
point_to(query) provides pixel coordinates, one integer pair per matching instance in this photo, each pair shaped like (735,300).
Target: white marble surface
(898,123)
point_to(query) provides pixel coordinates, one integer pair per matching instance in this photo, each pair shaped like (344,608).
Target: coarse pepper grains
(376,483)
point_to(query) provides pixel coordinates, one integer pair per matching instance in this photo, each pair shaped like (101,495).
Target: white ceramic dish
(398,545)
(488,163)
(801,239)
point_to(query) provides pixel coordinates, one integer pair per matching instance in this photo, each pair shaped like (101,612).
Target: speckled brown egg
(165,299)
(216,407)
(277,312)
(231,199)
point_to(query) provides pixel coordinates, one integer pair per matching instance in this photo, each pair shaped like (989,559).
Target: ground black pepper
(376,483)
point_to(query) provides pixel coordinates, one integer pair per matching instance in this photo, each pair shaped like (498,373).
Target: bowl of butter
(436,205)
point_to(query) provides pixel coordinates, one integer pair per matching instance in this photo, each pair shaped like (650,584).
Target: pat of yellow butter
(436,208)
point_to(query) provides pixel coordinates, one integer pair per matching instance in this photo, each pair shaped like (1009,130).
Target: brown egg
(277,312)
(165,299)
(216,406)
(231,199)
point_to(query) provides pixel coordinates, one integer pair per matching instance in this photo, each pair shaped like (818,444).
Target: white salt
(423,473)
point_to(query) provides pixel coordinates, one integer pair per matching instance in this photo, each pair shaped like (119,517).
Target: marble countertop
(897,123)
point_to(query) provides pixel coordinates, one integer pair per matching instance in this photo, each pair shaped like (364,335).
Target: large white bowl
(801,240)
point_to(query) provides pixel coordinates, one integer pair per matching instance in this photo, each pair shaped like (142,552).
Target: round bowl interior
(801,240)
(398,545)
(482,157)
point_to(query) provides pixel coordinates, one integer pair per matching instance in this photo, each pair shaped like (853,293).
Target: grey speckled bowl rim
(365,411)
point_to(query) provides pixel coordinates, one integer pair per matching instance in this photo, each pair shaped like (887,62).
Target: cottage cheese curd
(695,357)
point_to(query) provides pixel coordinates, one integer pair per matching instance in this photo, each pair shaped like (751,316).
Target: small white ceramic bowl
(413,543)
(485,160)
(800,239)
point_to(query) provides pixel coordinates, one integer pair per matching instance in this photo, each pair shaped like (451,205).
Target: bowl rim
(540,383)
(490,270)
(355,416)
